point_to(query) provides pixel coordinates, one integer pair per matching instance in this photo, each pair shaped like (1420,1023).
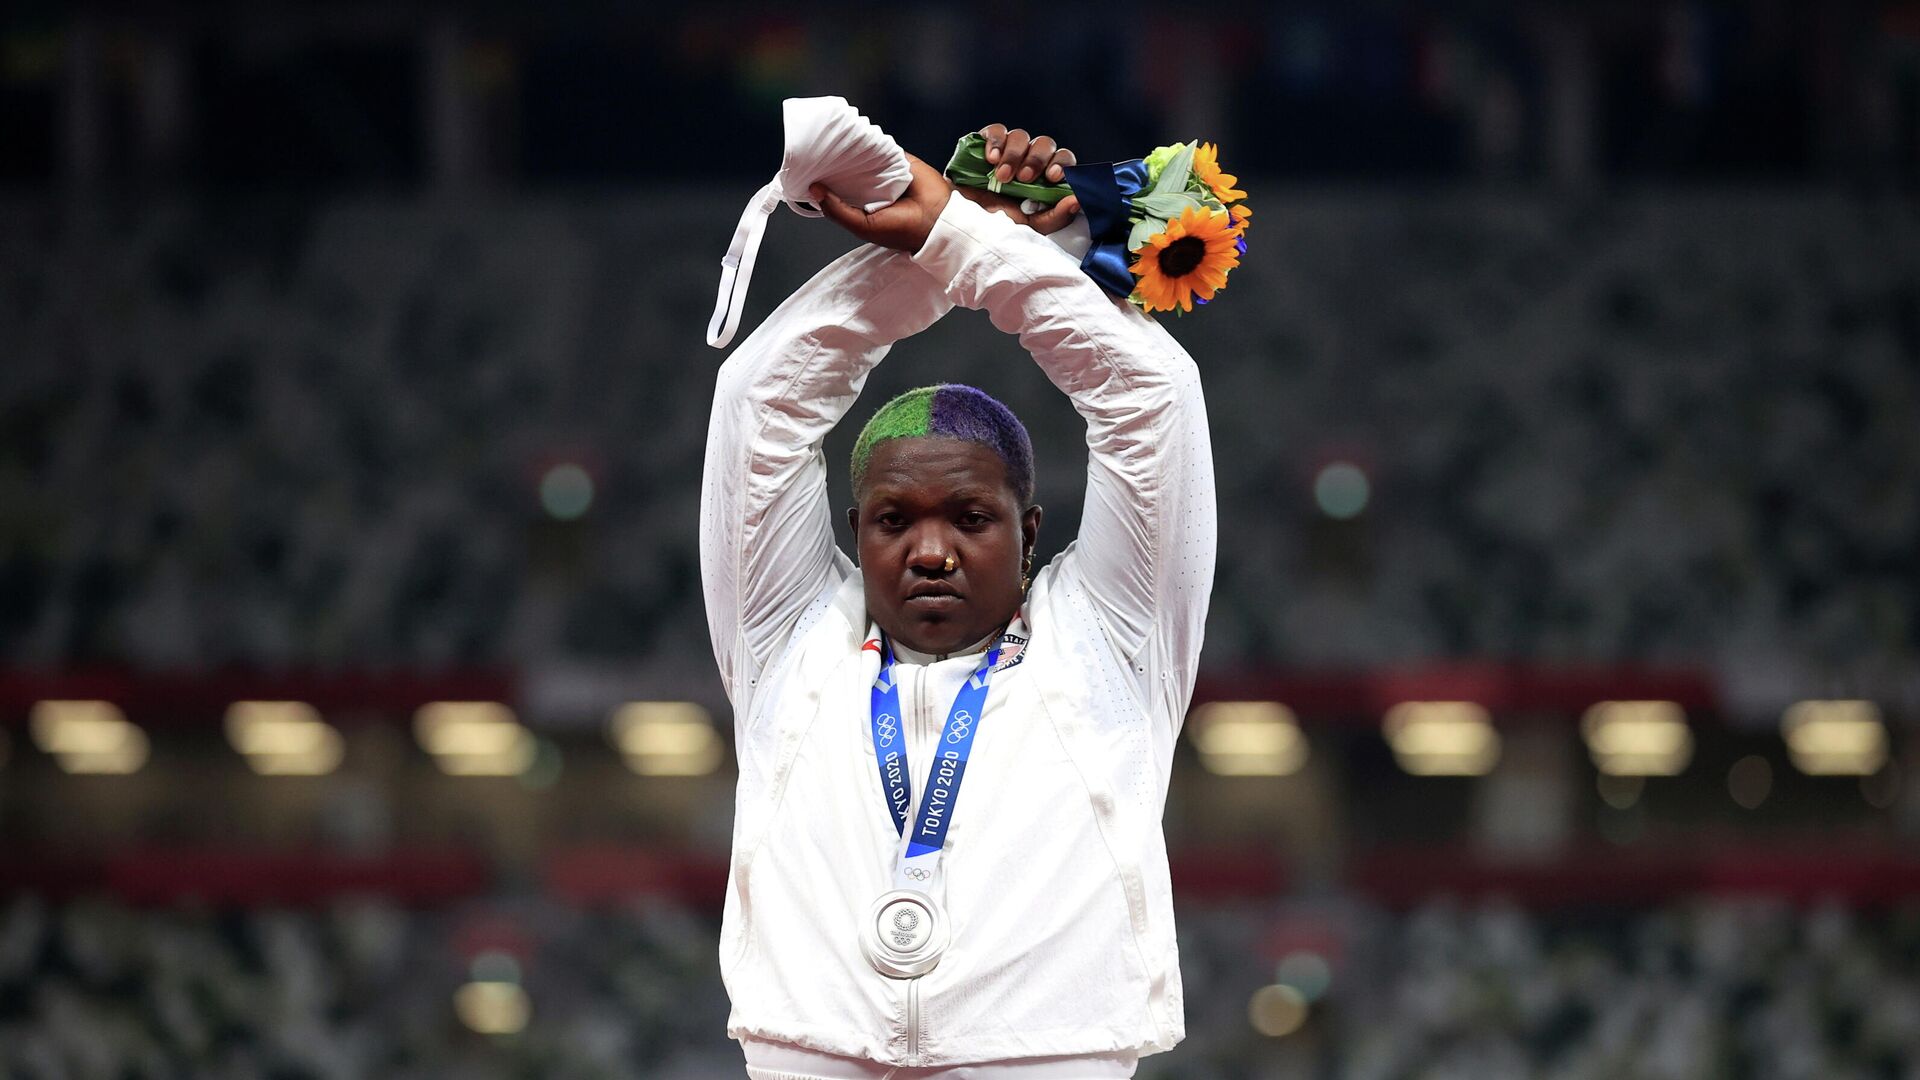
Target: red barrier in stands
(200,699)
(230,878)
(1617,878)
(610,873)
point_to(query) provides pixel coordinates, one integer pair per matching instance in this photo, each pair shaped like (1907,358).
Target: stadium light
(492,1008)
(1637,738)
(284,738)
(566,491)
(1442,738)
(1306,971)
(89,737)
(474,738)
(1248,738)
(1341,490)
(1835,738)
(1277,1011)
(665,738)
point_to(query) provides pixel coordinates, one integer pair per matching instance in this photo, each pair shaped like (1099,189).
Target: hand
(904,223)
(1017,156)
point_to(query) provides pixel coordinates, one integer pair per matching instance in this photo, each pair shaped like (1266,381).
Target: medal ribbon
(922,858)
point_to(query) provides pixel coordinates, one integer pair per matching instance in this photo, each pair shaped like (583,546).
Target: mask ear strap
(805,208)
(736,270)
(869,162)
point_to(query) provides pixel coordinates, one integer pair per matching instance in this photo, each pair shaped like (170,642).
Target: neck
(907,655)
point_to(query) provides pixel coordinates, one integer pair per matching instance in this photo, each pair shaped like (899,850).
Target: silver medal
(905,933)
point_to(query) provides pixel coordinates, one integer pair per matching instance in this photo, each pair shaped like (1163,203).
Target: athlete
(947,857)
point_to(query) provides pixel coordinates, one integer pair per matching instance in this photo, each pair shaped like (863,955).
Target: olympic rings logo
(962,721)
(919,873)
(888,728)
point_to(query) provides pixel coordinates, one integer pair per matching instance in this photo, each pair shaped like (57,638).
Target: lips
(933,594)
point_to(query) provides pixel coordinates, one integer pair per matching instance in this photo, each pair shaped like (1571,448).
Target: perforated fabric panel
(1138,746)
(755,743)
(1188,552)
(1127,729)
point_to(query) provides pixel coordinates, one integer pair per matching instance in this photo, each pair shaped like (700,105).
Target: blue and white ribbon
(926,832)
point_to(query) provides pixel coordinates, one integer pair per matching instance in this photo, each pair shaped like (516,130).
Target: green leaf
(1179,167)
(1144,230)
(969,162)
(968,168)
(1201,190)
(1167,205)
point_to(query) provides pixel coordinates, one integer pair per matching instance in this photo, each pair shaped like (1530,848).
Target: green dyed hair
(950,411)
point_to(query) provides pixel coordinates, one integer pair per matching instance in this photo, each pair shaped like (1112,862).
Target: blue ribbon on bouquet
(1106,194)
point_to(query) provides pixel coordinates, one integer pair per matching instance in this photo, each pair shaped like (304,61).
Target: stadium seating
(1703,986)
(1663,426)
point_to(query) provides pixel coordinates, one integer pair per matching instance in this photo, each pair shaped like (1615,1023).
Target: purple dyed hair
(951,411)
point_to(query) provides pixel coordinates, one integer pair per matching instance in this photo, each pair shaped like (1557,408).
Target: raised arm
(766,534)
(766,537)
(1145,553)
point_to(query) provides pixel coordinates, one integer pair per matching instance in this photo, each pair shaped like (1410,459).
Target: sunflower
(1240,215)
(1206,166)
(1190,258)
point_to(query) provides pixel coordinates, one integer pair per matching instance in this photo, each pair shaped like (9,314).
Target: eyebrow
(973,495)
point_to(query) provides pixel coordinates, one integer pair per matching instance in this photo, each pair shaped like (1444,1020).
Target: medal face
(905,934)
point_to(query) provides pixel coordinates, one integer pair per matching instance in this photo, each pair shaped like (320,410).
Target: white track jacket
(1056,880)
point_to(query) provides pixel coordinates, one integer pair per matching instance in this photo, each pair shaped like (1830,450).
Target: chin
(938,639)
(938,636)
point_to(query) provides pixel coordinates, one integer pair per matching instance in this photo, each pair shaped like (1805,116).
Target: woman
(876,925)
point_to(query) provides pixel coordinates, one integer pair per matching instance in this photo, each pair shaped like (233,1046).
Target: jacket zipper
(913,1022)
(913,985)
(920,700)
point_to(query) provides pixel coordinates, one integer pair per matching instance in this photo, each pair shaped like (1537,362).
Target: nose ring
(951,564)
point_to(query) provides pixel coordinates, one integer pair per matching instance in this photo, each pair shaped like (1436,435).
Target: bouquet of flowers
(1167,228)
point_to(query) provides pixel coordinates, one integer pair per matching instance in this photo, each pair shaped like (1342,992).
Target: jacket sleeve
(1145,553)
(766,532)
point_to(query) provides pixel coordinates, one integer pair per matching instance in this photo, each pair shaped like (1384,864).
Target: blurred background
(1558,713)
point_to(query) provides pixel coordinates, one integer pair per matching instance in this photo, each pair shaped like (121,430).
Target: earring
(1026,568)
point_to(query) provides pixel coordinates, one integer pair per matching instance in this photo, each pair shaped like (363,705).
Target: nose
(929,550)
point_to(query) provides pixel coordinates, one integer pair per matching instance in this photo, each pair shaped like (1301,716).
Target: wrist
(928,223)
(948,245)
(926,234)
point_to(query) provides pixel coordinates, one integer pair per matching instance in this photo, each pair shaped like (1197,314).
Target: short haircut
(951,411)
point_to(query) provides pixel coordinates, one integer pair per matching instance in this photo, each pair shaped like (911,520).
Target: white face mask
(828,143)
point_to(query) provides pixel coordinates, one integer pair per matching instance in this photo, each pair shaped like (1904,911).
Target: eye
(890,521)
(975,519)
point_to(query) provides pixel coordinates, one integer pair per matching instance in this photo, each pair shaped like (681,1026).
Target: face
(926,499)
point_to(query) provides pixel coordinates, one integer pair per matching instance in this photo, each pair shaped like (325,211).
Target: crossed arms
(1145,552)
